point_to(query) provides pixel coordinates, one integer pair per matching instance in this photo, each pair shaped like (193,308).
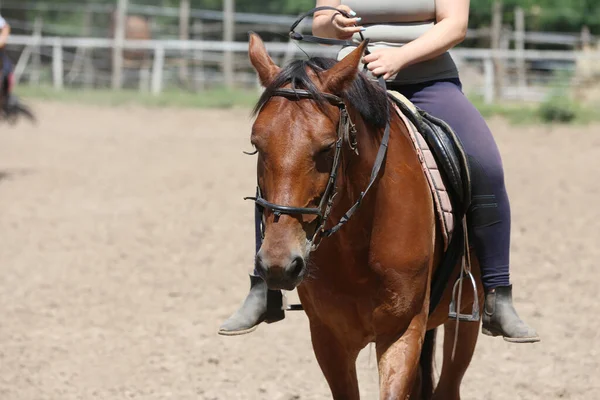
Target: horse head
(297,136)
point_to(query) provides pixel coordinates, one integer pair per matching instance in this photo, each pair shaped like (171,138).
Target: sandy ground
(125,242)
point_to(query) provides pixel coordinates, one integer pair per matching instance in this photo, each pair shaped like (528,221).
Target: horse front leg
(398,360)
(337,359)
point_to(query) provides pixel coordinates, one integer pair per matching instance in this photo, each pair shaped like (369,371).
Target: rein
(346,132)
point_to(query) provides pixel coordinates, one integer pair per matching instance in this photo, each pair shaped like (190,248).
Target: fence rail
(278,47)
(240,18)
(159,50)
(155,11)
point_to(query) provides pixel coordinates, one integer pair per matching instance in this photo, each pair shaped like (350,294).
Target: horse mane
(368,98)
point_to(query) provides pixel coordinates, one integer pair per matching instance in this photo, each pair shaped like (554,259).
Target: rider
(6,72)
(409,43)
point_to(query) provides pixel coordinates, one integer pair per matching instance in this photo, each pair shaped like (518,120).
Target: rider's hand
(345,27)
(2,43)
(385,62)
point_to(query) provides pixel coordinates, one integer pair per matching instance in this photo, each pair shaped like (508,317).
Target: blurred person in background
(7,66)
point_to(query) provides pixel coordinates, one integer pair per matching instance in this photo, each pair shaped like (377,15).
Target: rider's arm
(333,25)
(452,19)
(450,29)
(4,32)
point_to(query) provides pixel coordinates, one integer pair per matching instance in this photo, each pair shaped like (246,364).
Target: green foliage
(515,113)
(257,6)
(559,105)
(558,108)
(213,98)
(542,15)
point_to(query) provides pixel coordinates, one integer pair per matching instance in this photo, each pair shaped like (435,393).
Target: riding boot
(261,305)
(12,101)
(500,318)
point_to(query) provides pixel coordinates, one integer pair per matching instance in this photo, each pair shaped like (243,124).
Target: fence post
(199,57)
(496,43)
(489,81)
(79,63)
(31,51)
(520,48)
(586,38)
(117,53)
(36,62)
(228,36)
(144,83)
(57,64)
(157,70)
(184,34)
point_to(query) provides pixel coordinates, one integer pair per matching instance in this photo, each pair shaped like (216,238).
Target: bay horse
(370,281)
(137,27)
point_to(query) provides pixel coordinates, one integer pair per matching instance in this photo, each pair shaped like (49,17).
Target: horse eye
(327,148)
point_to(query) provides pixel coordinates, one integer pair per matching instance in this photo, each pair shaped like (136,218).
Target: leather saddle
(448,152)
(454,167)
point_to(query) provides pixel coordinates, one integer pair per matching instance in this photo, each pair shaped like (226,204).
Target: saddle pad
(441,198)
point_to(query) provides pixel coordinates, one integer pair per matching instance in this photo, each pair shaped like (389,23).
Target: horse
(370,281)
(137,27)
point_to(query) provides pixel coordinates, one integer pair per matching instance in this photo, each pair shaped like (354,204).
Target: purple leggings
(489,215)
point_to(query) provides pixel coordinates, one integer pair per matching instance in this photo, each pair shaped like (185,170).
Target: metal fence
(154,65)
(72,49)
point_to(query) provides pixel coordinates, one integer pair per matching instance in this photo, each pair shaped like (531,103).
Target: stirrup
(453,314)
(291,307)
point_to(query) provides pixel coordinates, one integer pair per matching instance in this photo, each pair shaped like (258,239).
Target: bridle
(346,133)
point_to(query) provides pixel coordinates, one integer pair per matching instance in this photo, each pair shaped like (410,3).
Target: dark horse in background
(370,282)
(11,107)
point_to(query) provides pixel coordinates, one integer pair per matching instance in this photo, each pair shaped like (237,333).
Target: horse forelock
(366,97)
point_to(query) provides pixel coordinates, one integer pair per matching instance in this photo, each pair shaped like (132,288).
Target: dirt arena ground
(125,242)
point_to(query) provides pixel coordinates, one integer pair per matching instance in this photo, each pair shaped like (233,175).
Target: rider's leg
(490,212)
(8,77)
(260,305)
(10,82)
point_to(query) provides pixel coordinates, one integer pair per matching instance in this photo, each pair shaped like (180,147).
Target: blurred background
(516,50)
(125,241)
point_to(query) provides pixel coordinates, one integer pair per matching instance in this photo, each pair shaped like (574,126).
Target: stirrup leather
(290,307)
(454,312)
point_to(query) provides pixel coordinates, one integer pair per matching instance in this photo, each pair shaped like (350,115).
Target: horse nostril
(259,266)
(296,267)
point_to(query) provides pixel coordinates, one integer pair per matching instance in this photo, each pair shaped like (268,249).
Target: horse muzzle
(284,274)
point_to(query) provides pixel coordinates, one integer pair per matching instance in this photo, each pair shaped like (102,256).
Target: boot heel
(490,332)
(274,316)
(275,311)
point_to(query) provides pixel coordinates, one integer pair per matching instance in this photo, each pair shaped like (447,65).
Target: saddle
(446,148)
(446,166)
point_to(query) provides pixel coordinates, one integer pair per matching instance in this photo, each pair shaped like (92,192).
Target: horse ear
(341,75)
(263,64)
